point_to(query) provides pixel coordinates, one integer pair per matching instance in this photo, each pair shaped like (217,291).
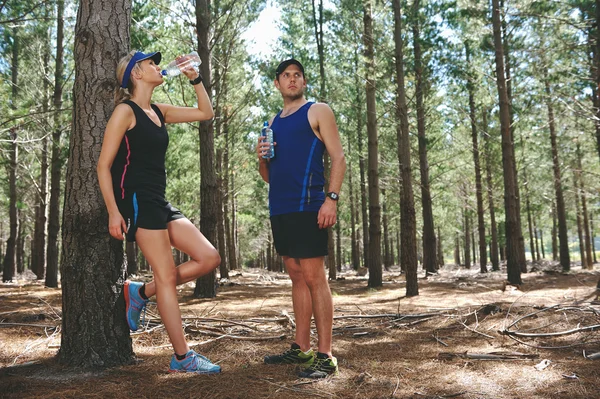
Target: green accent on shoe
(294,355)
(322,367)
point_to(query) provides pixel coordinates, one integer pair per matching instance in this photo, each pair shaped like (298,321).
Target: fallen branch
(488,356)
(554,334)
(439,340)
(475,331)
(26,325)
(398,317)
(214,334)
(593,356)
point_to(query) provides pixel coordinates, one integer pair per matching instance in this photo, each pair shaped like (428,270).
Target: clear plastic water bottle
(268,133)
(175,67)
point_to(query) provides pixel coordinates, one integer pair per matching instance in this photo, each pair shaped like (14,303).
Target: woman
(131,172)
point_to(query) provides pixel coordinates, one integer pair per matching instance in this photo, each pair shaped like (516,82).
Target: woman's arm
(121,120)
(203,112)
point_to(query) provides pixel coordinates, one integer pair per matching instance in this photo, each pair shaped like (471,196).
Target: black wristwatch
(196,81)
(333,196)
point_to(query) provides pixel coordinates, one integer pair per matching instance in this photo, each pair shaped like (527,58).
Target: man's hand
(327,214)
(262,148)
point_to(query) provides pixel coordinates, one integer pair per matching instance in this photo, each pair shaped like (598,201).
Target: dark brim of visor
(137,57)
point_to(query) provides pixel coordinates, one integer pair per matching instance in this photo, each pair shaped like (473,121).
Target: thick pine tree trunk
(55,161)
(429,245)
(407,211)
(514,242)
(563,238)
(94,329)
(375,270)
(364,200)
(206,286)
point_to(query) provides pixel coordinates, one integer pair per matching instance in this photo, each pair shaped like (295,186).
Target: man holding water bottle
(301,212)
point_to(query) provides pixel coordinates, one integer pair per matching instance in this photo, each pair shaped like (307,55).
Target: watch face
(333,196)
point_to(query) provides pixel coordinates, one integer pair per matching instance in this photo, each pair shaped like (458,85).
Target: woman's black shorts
(146,211)
(298,235)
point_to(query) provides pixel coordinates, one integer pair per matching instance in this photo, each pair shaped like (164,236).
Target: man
(301,212)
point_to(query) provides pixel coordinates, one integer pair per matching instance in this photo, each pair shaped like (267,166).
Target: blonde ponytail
(122,94)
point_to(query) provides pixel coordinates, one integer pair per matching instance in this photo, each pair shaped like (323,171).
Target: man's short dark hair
(284,64)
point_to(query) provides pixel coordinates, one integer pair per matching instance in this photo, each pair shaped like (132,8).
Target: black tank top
(140,162)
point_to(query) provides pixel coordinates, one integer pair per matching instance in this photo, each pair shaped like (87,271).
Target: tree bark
(578,219)
(353,236)
(407,211)
(429,244)
(206,286)
(55,161)
(10,256)
(554,233)
(529,220)
(467,232)
(228,195)
(132,261)
(490,195)
(94,329)
(586,223)
(514,242)
(375,271)
(386,238)
(478,185)
(563,238)
(542,244)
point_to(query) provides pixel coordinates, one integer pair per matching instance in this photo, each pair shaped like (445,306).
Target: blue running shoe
(134,304)
(193,363)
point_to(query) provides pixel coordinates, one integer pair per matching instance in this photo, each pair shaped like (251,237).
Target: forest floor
(451,341)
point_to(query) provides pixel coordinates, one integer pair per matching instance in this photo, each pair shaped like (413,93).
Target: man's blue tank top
(296,176)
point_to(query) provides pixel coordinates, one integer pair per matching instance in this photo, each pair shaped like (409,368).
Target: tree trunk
(478,185)
(440,251)
(94,330)
(596,77)
(514,247)
(38,250)
(529,220)
(338,250)
(386,238)
(132,261)
(429,245)
(490,194)
(375,271)
(554,233)
(20,250)
(537,246)
(55,161)
(578,218)
(407,212)
(586,223)
(593,239)
(221,195)
(206,286)
(467,232)
(228,195)
(353,236)
(542,244)
(560,202)
(457,249)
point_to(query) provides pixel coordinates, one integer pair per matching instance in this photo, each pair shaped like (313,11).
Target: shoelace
(317,364)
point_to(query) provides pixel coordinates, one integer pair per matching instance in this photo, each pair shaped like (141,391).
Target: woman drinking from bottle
(132,177)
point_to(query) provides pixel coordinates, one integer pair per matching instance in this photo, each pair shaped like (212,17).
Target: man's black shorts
(298,235)
(146,211)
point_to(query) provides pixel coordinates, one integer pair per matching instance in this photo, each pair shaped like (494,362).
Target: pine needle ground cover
(466,335)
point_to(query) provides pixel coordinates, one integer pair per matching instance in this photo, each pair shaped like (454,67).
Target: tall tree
(478,185)
(10,256)
(561,212)
(206,285)
(490,196)
(407,211)
(55,160)
(375,271)
(584,209)
(429,245)
(514,241)
(94,329)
